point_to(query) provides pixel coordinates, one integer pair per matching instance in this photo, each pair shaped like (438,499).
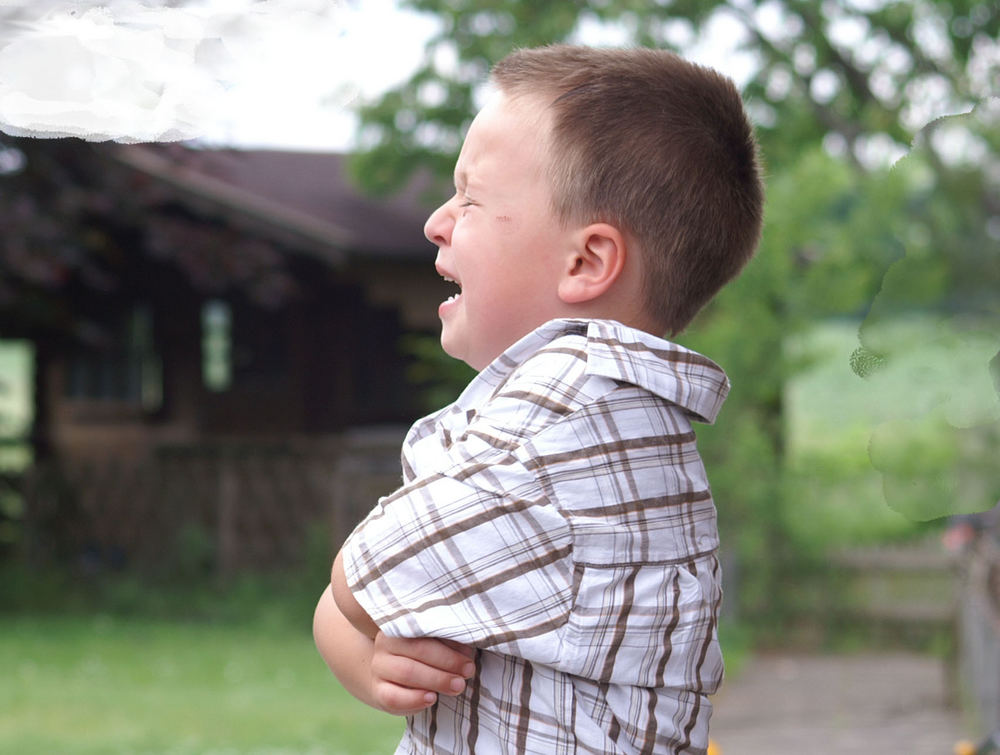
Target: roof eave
(324,239)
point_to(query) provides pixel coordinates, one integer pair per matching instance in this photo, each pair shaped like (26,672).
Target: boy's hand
(399,676)
(408,674)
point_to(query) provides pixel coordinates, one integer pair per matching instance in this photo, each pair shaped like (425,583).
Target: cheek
(464,232)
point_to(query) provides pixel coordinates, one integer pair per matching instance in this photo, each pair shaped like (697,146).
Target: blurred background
(211,345)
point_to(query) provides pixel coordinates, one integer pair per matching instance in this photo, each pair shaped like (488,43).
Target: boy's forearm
(410,672)
(346,651)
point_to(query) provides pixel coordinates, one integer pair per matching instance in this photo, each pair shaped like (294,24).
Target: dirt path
(872,704)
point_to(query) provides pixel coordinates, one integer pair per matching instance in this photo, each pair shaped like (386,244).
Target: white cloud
(264,71)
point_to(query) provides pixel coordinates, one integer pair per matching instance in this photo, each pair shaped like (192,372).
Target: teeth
(452,280)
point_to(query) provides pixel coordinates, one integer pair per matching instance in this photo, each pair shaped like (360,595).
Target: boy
(546,580)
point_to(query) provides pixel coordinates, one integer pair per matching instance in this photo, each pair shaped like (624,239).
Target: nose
(438,227)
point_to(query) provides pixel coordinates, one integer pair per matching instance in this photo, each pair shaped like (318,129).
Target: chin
(450,349)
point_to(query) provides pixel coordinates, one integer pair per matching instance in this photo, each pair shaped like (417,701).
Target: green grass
(89,685)
(115,685)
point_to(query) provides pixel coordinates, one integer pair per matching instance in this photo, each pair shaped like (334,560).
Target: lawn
(101,686)
(115,685)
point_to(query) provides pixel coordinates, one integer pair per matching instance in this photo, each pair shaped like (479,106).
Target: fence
(904,593)
(236,505)
(979,630)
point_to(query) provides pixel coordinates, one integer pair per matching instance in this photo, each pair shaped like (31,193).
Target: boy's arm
(397,675)
(346,651)
(346,601)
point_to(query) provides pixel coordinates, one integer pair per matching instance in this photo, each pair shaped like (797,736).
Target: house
(229,318)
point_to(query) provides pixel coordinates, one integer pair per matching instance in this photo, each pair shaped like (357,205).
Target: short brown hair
(659,147)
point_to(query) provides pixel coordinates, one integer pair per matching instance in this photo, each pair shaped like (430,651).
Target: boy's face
(497,237)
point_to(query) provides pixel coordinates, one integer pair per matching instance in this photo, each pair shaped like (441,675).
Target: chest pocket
(642,621)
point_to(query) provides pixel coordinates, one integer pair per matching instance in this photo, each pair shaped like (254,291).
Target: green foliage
(193,553)
(866,462)
(421,123)
(278,599)
(815,71)
(438,377)
(836,227)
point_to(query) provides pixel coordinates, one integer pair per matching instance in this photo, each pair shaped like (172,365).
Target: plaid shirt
(557,518)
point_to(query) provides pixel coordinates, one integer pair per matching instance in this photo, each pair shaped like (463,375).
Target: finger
(402,701)
(467,650)
(407,672)
(430,652)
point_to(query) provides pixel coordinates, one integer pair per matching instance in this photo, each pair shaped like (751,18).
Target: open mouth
(454,296)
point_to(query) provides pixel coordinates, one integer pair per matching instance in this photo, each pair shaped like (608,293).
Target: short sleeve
(455,557)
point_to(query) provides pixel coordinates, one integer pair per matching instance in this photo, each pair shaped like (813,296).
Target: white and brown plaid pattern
(557,517)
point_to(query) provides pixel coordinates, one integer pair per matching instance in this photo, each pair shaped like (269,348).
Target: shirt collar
(681,376)
(621,353)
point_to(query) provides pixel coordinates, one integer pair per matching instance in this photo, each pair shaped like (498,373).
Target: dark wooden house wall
(324,360)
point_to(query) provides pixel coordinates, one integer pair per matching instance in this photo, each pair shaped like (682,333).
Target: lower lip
(448,304)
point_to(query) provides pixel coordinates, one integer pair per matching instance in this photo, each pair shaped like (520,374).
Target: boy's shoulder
(563,378)
(566,366)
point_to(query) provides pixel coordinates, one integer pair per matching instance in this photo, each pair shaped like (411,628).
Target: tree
(861,77)
(838,90)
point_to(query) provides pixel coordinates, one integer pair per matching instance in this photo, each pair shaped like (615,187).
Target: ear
(596,262)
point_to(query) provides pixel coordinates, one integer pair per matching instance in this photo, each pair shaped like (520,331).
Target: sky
(256,73)
(253,73)
(271,73)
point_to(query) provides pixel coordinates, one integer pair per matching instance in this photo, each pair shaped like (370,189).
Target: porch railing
(238,504)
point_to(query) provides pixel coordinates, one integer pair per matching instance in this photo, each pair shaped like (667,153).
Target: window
(217,345)
(242,347)
(127,370)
